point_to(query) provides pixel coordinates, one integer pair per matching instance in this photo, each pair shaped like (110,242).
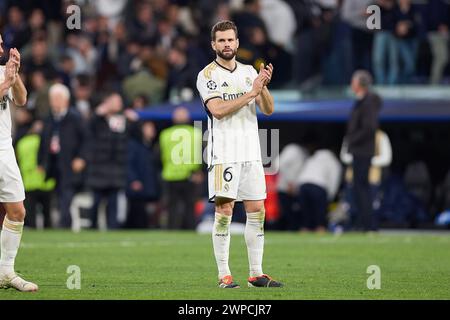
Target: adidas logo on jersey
(224,84)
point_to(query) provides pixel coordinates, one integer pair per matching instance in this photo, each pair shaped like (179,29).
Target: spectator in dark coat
(248,18)
(261,49)
(143,179)
(181,83)
(361,129)
(127,60)
(40,58)
(107,157)
(62,152)
(16,34)
(143,23)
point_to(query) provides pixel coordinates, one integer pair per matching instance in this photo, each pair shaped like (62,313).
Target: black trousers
(362,49)
(313,205)
(112,197)
(137,214)
(65,196)
(33,200)
(180,202)
(362,194)
(290,218)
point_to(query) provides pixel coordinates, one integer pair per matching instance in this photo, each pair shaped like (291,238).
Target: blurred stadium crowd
(134,54)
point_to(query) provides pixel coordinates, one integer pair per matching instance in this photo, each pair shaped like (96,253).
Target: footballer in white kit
(230,92)
(12,192)
(235,170)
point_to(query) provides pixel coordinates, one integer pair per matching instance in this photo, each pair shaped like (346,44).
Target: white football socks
(221,243)
(254,238)
(10,241)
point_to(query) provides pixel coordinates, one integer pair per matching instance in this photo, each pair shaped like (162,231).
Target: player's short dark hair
(223,26)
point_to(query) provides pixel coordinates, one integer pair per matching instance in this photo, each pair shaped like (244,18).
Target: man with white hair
(62,152)
(12,191)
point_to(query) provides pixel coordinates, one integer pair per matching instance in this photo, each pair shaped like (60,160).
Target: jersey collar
(223,67)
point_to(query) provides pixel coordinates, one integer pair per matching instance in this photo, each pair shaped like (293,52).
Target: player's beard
(227,55)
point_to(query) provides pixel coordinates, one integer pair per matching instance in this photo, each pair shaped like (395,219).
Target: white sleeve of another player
(208,87)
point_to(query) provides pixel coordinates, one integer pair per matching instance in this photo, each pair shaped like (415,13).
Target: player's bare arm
(220,108)
(19,92)
(265,100)
(18,88)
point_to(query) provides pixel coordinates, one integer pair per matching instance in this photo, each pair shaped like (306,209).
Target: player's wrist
(4,87)
(253,93)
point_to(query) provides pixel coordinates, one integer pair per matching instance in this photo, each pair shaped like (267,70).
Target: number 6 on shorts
(227,175)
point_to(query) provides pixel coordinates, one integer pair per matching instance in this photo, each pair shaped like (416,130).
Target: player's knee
(256,207)
(225,208)
(16,213)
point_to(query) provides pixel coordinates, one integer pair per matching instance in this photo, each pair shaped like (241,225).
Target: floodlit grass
(180,265)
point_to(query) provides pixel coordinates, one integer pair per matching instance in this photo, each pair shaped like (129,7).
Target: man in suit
(62,152)
(361,129)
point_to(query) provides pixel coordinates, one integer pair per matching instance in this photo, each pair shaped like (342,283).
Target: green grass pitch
(180,265)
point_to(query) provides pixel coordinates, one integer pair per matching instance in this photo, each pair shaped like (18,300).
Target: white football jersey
(233,138)
(5,116)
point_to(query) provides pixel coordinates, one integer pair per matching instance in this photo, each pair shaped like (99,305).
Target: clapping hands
(263,78)
(266,72)
(12,66)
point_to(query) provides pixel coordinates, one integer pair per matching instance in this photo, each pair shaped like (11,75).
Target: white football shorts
(239,181)
(11,185)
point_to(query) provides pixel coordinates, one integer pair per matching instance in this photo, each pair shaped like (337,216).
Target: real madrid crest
(248,82)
